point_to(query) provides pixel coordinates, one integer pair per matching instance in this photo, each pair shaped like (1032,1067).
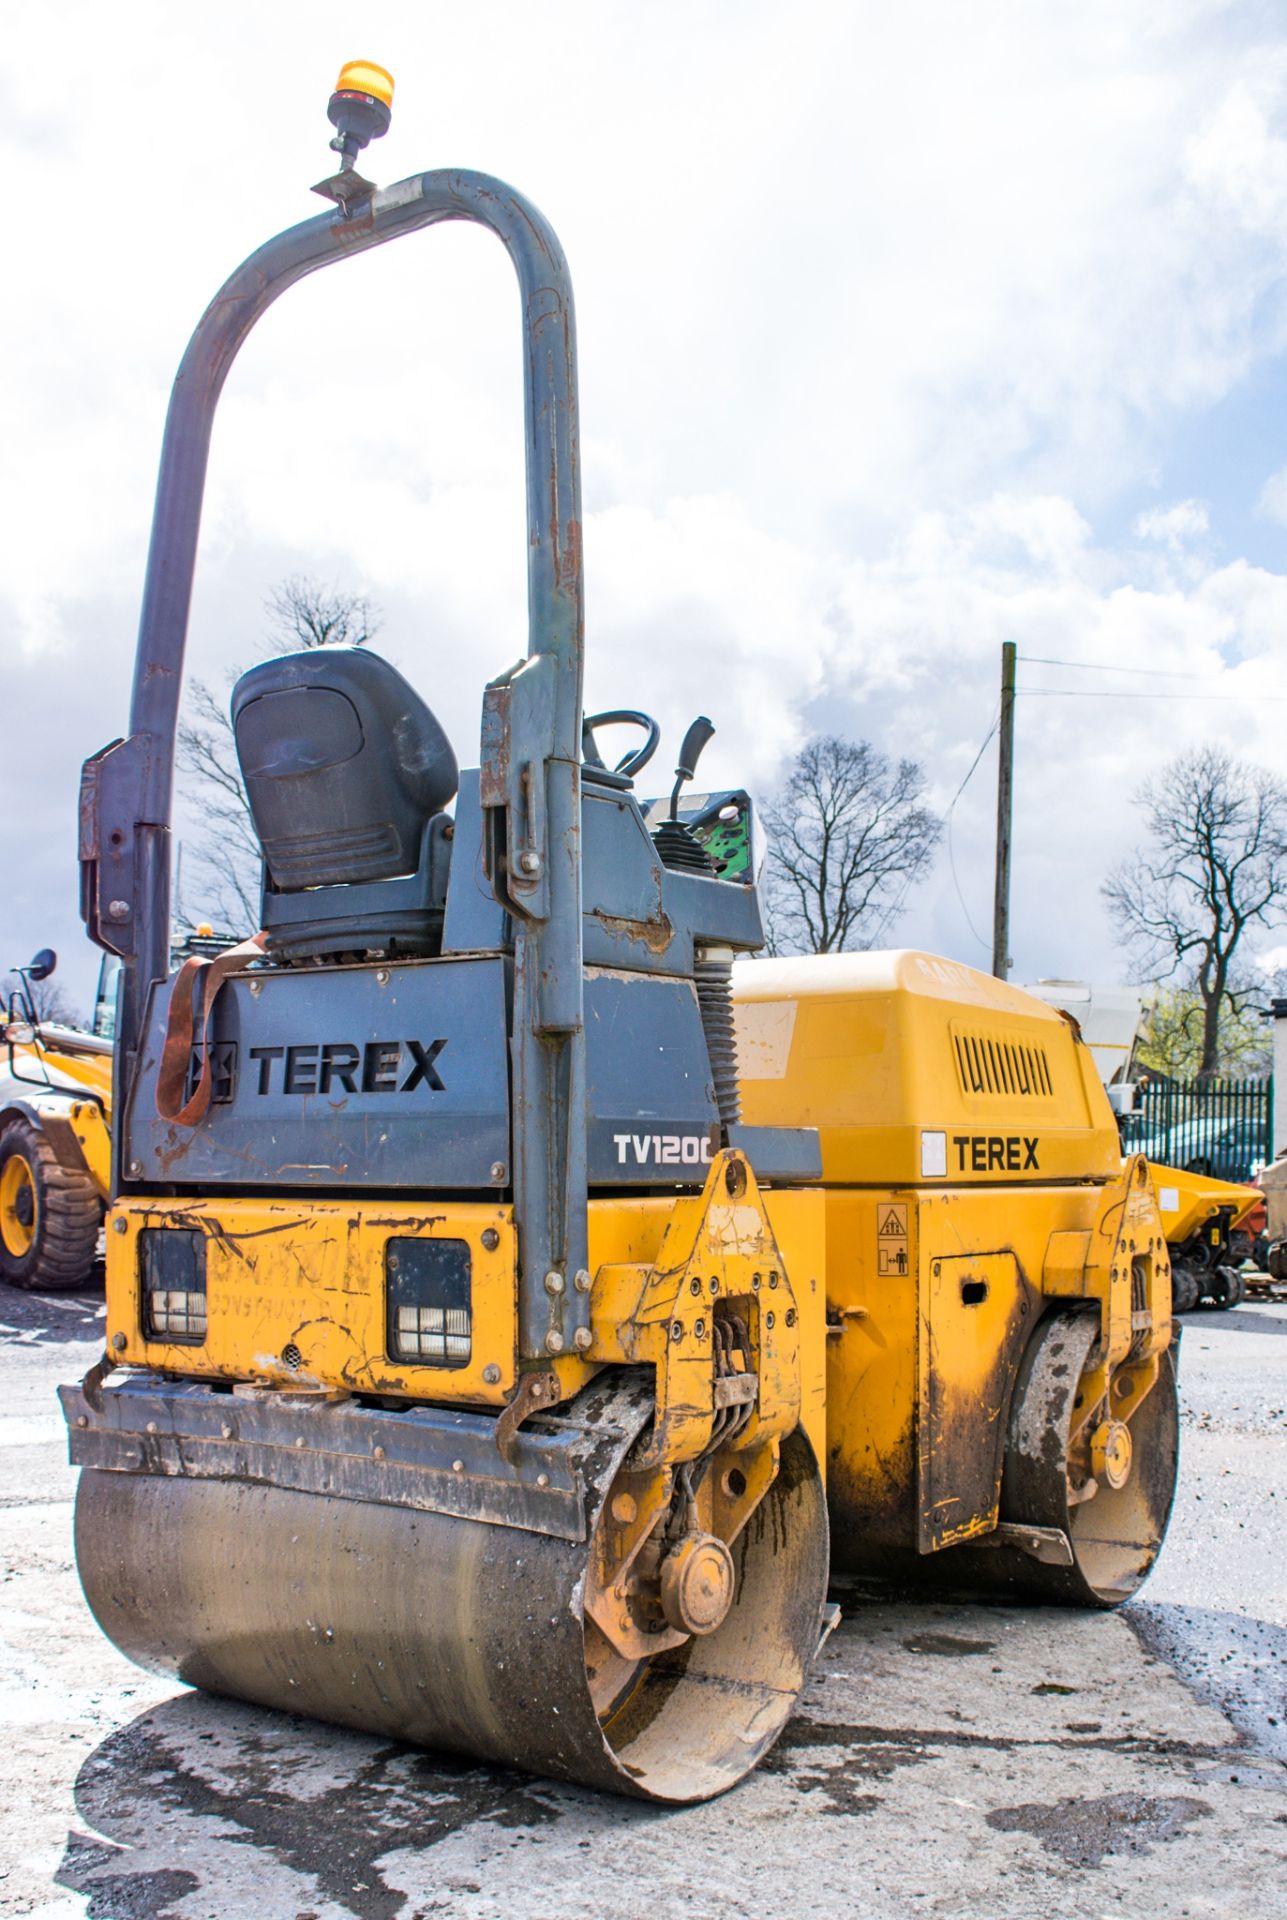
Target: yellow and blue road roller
(518,1299)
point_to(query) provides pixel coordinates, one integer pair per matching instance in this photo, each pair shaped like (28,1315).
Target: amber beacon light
(360,107)
(363,76)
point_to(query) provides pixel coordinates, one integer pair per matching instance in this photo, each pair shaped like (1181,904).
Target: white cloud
(1273,497)
(1174,526)
(1238,158)
(879,319)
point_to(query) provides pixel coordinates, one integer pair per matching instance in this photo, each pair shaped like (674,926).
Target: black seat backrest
(343,763)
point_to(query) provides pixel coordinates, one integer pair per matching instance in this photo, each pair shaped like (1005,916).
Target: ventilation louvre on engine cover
(1001,1063)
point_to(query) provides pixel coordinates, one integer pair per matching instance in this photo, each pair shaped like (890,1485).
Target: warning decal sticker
(891,1238)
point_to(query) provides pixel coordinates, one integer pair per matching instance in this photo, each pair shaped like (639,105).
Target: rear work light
(428,1288)
(172,1273)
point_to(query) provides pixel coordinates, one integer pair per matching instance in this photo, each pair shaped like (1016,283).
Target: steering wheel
(631,763)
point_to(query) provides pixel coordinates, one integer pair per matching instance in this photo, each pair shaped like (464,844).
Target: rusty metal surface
(1116,1534)
(1123,1267)
(297,1293)
(425,1459)
(975,1314)
(718,1285)
(925,1386)
(534,1391)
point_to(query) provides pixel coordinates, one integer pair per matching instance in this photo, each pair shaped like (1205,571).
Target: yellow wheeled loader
(55,1142)
(55,1125)
(478,1372)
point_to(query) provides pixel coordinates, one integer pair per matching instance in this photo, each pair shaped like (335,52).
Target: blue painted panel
(327,1078)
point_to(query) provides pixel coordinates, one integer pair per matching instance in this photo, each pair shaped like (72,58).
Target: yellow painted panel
(871,1377)
(1187,1200)
(630,1231)
(95,1141)
(799,1222)
(880,1392)
(975,1315)
(310,1275)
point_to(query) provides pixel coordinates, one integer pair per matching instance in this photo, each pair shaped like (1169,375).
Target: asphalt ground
(946,1760)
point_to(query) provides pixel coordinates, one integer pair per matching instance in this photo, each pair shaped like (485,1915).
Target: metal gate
(1219,1127)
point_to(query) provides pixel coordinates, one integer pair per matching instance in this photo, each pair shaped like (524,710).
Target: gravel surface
(961,1761)
(1216,1607)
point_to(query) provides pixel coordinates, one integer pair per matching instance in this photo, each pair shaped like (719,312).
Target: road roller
(1001,1398)
(481,1338)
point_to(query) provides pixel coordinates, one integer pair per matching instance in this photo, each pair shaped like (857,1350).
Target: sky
(904,331)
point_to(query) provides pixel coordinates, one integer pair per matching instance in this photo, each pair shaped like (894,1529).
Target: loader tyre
(1226,1288)
(1186,1290)
(49,1214)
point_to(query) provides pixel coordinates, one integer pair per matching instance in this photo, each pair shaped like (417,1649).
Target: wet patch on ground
(922,1742)
(1083,1832)
(951,1646)
(148,1896)
(839,1794)
(844,1784)
(197,1759)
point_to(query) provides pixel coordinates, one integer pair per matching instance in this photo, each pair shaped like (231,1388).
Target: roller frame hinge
(115,790)
(1096,1265)
(518,723)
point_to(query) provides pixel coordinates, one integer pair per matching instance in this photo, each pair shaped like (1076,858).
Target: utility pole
(1005,813)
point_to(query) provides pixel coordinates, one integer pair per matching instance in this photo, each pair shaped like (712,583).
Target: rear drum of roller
(1115,1537)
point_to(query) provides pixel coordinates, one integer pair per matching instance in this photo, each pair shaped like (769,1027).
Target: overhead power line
(947,821)
(892,912)
(1104,666)
(1111,693)
(983,747)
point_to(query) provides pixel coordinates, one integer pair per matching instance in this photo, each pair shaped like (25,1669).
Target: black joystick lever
(695,743)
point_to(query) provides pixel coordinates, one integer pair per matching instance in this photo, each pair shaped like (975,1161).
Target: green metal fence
(1220,1127)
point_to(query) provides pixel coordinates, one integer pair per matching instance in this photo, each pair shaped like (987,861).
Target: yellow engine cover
(974,1181)
(919,1071)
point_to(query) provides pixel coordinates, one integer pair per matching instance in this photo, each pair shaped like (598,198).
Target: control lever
(695,742)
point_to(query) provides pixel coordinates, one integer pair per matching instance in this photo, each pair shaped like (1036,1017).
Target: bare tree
(848,836)
(222,855)
(1171,1031)
(303,614)
(222,859)
(1214,866)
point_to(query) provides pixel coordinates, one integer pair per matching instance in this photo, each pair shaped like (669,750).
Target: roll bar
(532,715)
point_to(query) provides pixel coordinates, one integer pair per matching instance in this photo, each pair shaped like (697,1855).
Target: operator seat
(347,773)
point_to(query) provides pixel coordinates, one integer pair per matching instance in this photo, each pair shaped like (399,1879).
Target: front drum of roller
(452,1633)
